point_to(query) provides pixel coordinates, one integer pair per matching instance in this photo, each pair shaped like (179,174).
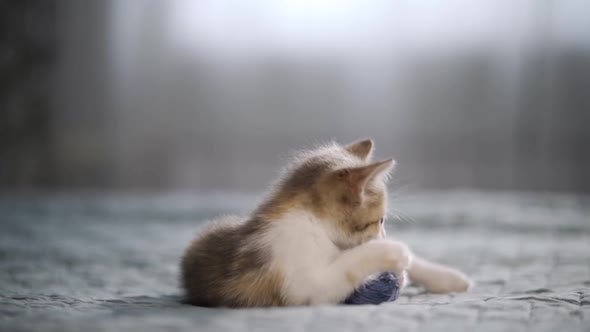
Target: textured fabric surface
(95,262)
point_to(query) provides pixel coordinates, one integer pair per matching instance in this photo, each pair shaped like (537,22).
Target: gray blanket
(96,262)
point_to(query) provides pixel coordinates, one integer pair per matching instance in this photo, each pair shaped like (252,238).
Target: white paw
(452,281)
(461,283)
(397,257)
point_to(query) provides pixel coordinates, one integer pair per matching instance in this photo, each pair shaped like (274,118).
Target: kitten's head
(343,188)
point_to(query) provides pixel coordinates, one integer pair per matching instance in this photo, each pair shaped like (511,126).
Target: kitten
(317,237)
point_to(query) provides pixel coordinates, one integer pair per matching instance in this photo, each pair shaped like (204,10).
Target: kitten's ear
(358,177)
(361,149)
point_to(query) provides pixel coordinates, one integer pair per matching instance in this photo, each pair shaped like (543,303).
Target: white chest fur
(301,249)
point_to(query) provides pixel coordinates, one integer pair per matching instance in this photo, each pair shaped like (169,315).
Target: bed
(98,262)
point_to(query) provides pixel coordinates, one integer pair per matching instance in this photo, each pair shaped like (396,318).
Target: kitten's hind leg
(438,278)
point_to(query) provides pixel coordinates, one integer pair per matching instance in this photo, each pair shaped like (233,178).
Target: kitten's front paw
(452,281)
(461,283)
(396,255)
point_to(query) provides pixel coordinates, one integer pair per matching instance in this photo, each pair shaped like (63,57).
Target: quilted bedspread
(97,262)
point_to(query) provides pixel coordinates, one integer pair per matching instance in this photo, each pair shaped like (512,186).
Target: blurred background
(212,95)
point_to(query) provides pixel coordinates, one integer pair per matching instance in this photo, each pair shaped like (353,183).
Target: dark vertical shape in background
(82,131)
(27,67)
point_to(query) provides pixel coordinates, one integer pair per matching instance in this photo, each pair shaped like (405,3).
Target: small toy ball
(384,288)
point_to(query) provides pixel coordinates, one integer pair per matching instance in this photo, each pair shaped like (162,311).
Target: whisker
(400,216)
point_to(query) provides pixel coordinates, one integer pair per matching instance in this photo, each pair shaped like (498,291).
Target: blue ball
(384,288)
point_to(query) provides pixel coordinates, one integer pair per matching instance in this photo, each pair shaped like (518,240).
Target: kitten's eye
(381,221)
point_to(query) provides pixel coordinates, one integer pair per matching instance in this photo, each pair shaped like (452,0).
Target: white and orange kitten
(317,237)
